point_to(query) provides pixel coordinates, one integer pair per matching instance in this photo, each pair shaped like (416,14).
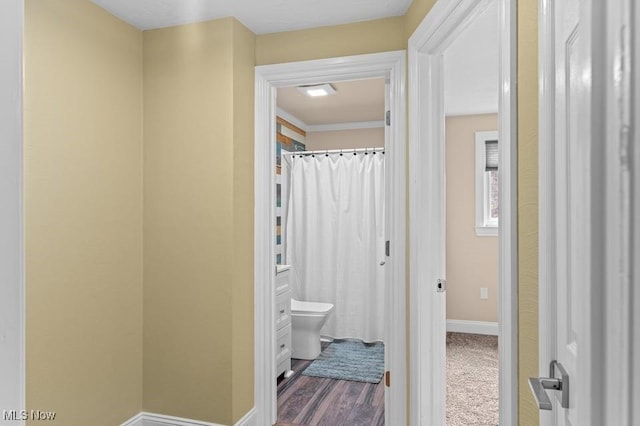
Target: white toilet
(307,318)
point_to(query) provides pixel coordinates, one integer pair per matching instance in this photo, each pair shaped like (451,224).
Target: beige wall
(415,14)
(198,174)
(527,207)
(83,213)
(344,139)
(380,35)
(197,171)
(472,261)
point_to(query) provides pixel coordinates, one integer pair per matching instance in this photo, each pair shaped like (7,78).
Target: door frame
(12,280)
(609,328)
(446,20)
(635,281)
(268,78)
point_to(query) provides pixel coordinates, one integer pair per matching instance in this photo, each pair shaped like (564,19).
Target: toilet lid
(310,307)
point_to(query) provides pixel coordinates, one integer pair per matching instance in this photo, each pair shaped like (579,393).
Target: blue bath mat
(349,360)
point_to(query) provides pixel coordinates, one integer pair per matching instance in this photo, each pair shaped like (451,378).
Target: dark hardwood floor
(310,401)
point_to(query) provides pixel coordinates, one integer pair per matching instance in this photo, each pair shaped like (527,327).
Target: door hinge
(441,285)
(387,248)
(388,118)
(387,379)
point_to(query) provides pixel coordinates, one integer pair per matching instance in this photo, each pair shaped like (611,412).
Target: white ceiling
(261,16)
(471,67)
(354,101)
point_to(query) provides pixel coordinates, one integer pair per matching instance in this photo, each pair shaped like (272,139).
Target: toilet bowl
(307,318)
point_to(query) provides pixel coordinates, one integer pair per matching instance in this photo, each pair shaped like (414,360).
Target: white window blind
(490,155)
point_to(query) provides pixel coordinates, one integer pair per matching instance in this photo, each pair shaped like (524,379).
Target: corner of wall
(189,220)
(244,47)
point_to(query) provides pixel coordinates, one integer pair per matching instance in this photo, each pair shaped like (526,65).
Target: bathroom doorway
(390,67)
(330,234)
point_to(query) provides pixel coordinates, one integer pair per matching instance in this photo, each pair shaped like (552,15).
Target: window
(487,183)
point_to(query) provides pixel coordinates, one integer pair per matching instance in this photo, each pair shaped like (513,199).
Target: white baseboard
(249,419)
(136,420)
(473,327)
(152,419)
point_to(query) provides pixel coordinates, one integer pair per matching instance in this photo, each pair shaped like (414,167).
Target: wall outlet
(484,293)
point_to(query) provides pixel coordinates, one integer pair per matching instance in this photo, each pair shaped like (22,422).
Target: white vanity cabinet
(283,319)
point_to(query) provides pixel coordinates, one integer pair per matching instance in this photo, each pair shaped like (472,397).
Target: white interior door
(586,211)
(570,246)
(566,239)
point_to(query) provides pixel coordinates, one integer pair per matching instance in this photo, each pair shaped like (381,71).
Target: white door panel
(585,209)
(566,232)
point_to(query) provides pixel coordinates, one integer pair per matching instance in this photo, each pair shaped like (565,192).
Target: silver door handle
(539,386)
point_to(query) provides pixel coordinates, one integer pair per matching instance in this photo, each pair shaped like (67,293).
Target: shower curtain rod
(333,151)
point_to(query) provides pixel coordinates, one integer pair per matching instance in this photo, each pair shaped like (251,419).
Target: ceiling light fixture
(318,90)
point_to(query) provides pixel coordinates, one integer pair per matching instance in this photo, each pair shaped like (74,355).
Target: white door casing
(390,65)
(634,34)
(12,284)
(446,20)
(388,272)
(586,213)
(620,75)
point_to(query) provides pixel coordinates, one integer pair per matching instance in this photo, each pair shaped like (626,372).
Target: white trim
(508,213)
(469,111)
(249,419)
(546,197)
(473,327)
(486,231)
(137,420)
(445,21)
(292,119)
(355,125)
(613,53)
(264,343)
(153,419)
(12,281)
(635,285)
(268,78)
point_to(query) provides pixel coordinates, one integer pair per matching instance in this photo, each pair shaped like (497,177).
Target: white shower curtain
(335,239)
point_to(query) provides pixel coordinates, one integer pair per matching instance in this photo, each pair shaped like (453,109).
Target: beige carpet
(472,379)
